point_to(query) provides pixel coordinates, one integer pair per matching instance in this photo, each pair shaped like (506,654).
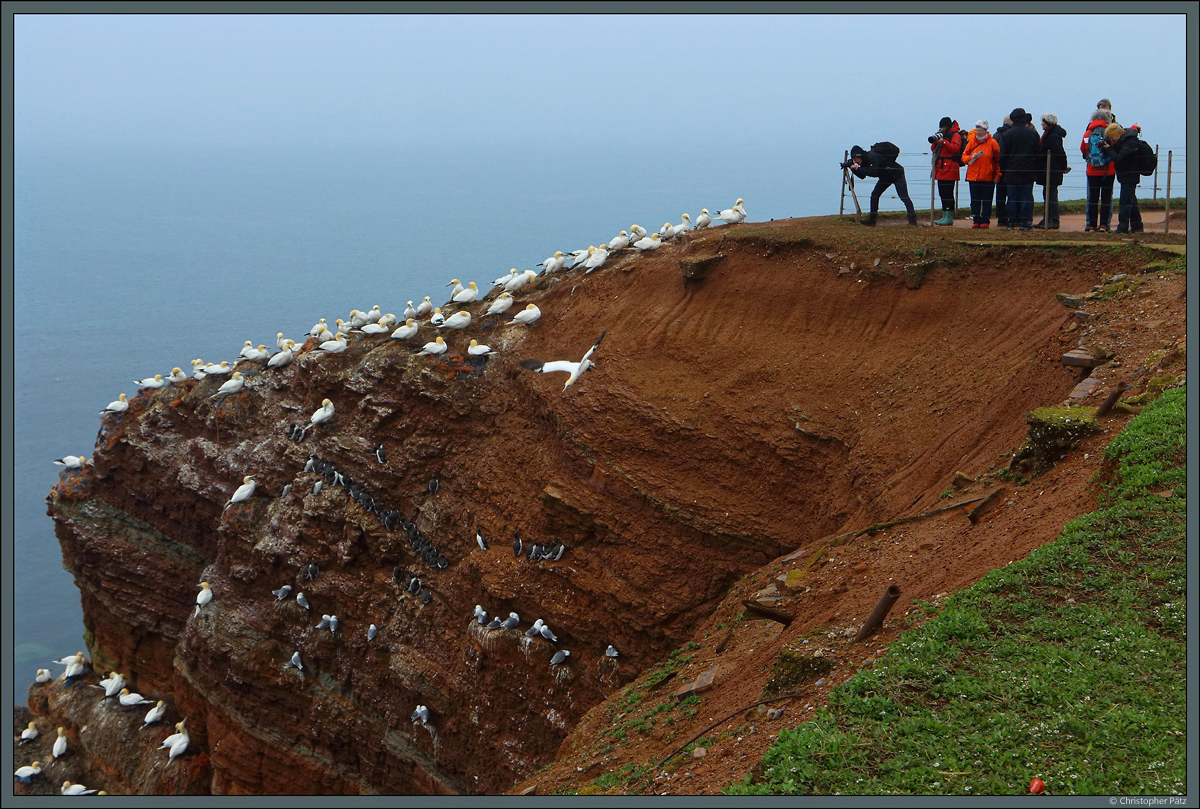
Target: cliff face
(727,421)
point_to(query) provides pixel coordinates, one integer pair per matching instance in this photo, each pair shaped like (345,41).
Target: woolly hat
(945,122)
(982,125)
(1114,131)
(1019,116)
(856,151)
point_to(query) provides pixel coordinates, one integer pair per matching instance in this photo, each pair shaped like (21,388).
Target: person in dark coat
(1001,189)
(1051,144)
(872,164)
(1018,164)
(1122,145)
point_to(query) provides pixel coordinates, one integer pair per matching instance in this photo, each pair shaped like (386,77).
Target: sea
(133,259)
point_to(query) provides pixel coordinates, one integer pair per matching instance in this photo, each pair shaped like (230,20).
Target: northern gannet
(572,369)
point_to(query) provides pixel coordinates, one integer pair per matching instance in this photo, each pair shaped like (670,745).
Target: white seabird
(198,369)
(477,350)
(130,698)
(318,327)
(29,733)
(204,596)
(154,382)
(181,743)
(459,320)
(375,315)
(651,242)
(112,684)
(294,662)
(732,216)
(611,651)
(504,279)
(559,657)
(75,789)
(372,631)
(407,331)
(282,592)
(479,540)
(72,461)
(501,305)
(511,621)
(458,287)
(232,385)
(280,341)
(335,346)
(179,733)
(323,413)
(384,323)
(302,600)
(324,622)
(437,318)
(409,311)
(598,257)
(155,713)
(535,629)
(43,676)
(480,615)
(177,375)
(421,714)
(572,369)
(357,319)
(527,315)
(554,263)
(26,773)
(470,293)
(424,307)
(636,232)
(260,353)
(118,406)
(518,282)
(60,744)
(244,491)
(438,346)
(703,220)
(619,242)
(284,356)
(222,367)
(76,665)
(547,634)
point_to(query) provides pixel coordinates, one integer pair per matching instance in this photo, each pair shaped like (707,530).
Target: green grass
(1068,665)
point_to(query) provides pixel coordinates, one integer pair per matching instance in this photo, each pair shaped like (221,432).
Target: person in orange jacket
(945,144)
(981,156)
(1100,174)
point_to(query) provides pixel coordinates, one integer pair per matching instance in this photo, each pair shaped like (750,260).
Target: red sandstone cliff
(728,421)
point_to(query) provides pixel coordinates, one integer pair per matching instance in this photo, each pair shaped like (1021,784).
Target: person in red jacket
(1100,174)
(982,158)
(945,144)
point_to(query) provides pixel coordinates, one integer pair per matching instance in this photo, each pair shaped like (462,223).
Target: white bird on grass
(242,492)
(527,315)
(572,369)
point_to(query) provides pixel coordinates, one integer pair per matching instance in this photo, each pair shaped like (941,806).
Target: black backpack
(962,145)
(1147,158)
(887,150)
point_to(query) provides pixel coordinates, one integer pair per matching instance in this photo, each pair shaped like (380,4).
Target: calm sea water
(131,261)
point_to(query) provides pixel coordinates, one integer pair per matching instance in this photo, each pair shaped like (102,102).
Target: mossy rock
(792,668)
(1053,432)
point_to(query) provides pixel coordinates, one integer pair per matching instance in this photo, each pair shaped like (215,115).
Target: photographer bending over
(881,162)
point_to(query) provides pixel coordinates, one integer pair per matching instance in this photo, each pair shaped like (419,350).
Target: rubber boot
(946,219)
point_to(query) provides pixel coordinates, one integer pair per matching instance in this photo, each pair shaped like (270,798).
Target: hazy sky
(689,86)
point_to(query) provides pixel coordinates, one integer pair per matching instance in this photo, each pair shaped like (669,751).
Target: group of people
(1007,165)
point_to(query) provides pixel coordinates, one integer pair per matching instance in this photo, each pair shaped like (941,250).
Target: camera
(936,136)
(848,164)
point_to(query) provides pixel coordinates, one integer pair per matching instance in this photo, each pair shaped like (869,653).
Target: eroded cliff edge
(727,422)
